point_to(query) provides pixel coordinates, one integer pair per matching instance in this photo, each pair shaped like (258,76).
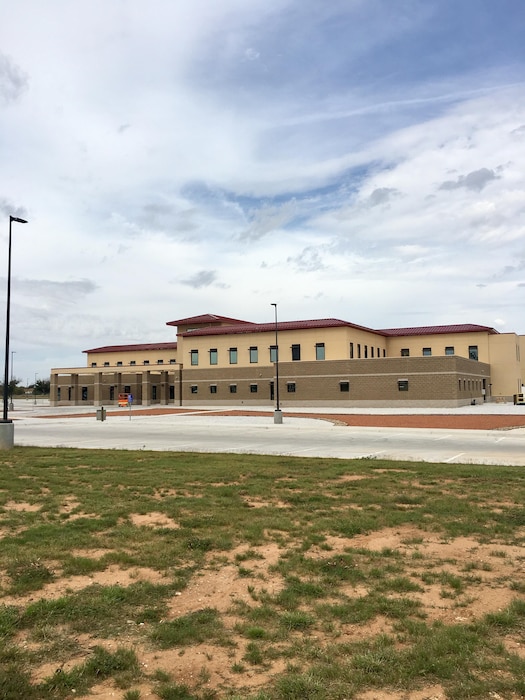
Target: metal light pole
(277,414)
(7,429)
(11,385)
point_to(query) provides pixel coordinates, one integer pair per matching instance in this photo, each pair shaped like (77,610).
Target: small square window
(473,352)
(146,362)
(405,352)
(133,362)
(233,388)
(344,386)
(253,388)
(213,388)
(194,388)
(402,384)
(427,352)
(173,361)
(93,364)
(449,350)
(106,364)
(160,362)
(290,387)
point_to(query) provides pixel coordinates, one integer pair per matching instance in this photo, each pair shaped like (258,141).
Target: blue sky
(357,159)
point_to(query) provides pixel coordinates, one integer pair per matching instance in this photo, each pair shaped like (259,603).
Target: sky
(353,159)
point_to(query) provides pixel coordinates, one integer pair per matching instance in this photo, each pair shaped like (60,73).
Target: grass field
(193,576)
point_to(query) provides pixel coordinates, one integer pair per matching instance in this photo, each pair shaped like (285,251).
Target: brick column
(164,387)
(53,394)
(97,389)
(75,399)
(146,388)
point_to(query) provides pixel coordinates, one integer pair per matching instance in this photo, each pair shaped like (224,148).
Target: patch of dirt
(22,507)
(153,519)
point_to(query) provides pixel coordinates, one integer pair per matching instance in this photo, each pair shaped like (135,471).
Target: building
(322,362)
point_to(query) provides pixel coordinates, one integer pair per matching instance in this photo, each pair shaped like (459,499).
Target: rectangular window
(366,352)
(111,393)
(351,351)
(106,364)
(173,361)
(154,392)
(449,350)
(344,386)
(296,352)
(319,351)
(214,356)
(58,393)
(273,353)
(133,362)
(93,364)
(253,388)
(233,356)
(172,392)
(194,388)
(146,362)
(160,362)
(233,388)
(379,352)
(358,351)
(194,357)
(213,388)
(372,351)
(290,387)
(254,355)
(127,389)
(402,384)
(427,352)
(84,393)
(473,352)
(405,352)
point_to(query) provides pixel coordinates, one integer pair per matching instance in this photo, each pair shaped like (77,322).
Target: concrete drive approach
(252,434)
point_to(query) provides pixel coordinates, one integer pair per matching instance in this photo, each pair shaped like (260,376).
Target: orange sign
(123,400)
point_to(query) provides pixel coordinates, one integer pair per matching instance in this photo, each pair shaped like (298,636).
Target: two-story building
(320,362)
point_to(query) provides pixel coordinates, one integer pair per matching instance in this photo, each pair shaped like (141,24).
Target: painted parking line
(450,459)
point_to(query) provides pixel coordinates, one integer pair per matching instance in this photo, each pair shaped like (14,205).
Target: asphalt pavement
(203,431)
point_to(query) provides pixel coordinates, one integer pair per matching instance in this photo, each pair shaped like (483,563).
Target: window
(253,388)
(379,352)
(427,352)
(154,392)
(449,350)
(372,351)
(84,393)
(194,388)
(111,393)
(473,352)
(351,351)
(344,386)
(402,384)
(233,388)
(173,361)
(93,364)
(133,362)
(233,356)
(119,364)
(58,393)
(160,362)
(405,352)
(127,389)
(214,356)
(172,392)
(319,351)
(213,388)
(296,352)
(146,362)
(358,351)
(366,352)
(290,387)
(106,364)
(273,353)
(254,354)
(384,352)
(194,357)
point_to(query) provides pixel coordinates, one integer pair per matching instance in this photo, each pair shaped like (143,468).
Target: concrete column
(164,387)
(97,389)
(146,388)
(7,435)
(75,398)
(138,389)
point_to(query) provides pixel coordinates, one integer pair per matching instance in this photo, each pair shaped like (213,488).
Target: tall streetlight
(277,414)
(6,439)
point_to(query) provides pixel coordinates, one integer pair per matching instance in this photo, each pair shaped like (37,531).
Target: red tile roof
(281,326)
(204,318)
(138,346)
(436,330)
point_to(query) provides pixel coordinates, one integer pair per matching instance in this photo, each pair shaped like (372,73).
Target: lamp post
(277,414)
(11,385)
(34,387)
(7,428)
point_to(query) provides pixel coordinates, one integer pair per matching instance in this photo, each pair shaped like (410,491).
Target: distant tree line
(40,388)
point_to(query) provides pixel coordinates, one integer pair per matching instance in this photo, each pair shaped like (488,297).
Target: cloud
(268,219)
(13,81)
(203,278)
(382,195)
(475,180)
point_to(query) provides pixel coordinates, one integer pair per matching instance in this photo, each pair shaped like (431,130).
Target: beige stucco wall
(438,342)
(126,356)
(506,368)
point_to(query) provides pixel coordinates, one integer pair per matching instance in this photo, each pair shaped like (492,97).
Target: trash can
(101,413)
